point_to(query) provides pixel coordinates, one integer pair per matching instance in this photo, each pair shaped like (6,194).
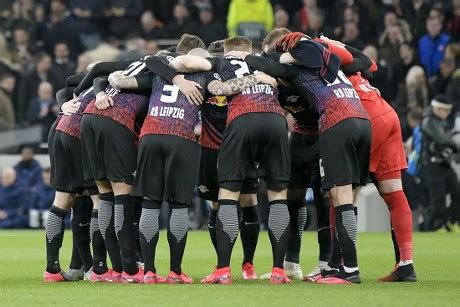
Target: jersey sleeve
(145,81)
(160,66)
(209,77)
(269,66)
(99,70)
(64,95)
(100,84)
(74,80)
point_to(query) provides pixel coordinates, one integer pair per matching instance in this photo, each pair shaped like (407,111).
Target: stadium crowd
(42,42)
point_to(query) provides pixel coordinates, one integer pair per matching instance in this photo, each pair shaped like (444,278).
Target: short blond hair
(237,43)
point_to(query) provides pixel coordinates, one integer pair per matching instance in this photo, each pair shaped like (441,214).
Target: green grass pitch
(437,258)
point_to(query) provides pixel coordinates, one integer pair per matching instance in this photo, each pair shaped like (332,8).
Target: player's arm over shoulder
(191,63)
(230,87)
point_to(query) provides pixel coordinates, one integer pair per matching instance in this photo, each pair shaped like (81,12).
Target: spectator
(250,18)
(62,28)
(43,201)
(408,59)
(431,46)
(351,35)
(415,12)
(135,49)
(62,66)
(152,28)
(151,47)
(28,85)
(207,28)
(123,17)
(28,170)
(14,201)
(453,94)
(414,94)
(391,19)
(453,24)
(380,78)
(390,42)
(7,82)
(281,19)
(439,177)
(82,64)
(181,17)
(21,48)
(315,22)
(438,83)
(43,109)
(90,17)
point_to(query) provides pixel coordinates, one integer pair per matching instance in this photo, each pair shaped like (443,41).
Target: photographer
(438,149)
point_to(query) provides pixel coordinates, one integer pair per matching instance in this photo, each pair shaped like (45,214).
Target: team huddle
(127,137)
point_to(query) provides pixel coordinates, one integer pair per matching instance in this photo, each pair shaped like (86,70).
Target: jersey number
(243,70)
(169,93)
(341,78)
(134,68)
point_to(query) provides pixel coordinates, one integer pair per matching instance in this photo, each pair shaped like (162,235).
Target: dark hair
(216,47)
(40,56)
(47,170)
(415,114)
(188,42)
(6,75)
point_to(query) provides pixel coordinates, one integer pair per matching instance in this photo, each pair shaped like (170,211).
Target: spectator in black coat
(28,84)
(38,212)
(22,49)
(62,67)
(14,201)
(62,27)
(124,17)
(178,25)
(408,58)
(89,18)
(43,109)
(415,12)
(207,27)
(28,170)
(151,27)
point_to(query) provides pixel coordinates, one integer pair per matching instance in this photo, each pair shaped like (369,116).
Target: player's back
(257,98)
(169,110)
(213,118)
(370,96)
(334,101)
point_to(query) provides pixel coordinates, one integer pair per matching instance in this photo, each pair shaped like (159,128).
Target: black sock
(126,231)
(106,226)
(297,220)
(99,251)
(249,230)
(54,230)
(226,231)
(212,227)
(323,224)
(75,259)
(148,232)
(278,230)
(395,245)
(346,230)
(80,223)
(177,234)
(138,249)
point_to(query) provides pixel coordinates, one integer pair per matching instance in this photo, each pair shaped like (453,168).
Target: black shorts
(166,168)
(67,168)
(255,145)
(208,185)
(304,161)
(344,153)
(109,150)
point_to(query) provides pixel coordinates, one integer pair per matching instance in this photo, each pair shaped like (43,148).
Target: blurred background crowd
(42,42)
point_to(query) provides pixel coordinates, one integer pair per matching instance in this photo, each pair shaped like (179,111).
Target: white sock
(350,270)
(405,262)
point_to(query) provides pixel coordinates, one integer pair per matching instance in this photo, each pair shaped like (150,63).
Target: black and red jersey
(170,112)
(257,98)
(129,105)
(70,124)
(305,116)
(213,118)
